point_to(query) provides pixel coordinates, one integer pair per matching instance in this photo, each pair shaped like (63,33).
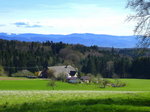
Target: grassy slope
(37,84)
(45,101)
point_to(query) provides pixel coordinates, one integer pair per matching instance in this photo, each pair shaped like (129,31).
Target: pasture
(34,95)
(41,84)
(74,101)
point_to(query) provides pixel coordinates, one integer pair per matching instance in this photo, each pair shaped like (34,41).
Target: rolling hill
(87,39)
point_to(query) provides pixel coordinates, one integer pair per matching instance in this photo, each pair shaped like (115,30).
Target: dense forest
(35,56)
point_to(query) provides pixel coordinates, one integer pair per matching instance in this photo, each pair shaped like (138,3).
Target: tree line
(35,56)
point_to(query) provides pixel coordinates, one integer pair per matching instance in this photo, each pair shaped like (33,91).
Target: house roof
(62,69)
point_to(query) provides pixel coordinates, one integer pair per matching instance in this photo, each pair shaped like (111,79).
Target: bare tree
(142,18)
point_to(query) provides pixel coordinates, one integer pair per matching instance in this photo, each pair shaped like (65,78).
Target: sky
(65,17)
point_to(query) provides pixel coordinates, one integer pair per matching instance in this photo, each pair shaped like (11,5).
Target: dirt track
(12,78)
(67,91)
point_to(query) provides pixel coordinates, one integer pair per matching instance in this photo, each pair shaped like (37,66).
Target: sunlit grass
(77,101)
(40,84)
(36,96)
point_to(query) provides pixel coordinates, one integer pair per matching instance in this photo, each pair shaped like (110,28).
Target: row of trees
(124,67)
(34,56)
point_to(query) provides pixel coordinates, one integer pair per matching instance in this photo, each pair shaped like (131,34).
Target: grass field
(77,101)
(38,84)
(22,95)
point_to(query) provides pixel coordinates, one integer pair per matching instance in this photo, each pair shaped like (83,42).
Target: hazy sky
(65,16)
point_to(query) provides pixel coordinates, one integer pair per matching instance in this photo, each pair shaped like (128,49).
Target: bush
(23,73)
(104,83)
(50,74)
(2,71)
(118,83)
(96,79)
(52,83)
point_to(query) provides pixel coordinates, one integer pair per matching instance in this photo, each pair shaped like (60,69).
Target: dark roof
(72,73)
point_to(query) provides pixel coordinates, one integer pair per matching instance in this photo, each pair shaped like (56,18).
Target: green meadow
(74,101)
(34,95)
(40,84)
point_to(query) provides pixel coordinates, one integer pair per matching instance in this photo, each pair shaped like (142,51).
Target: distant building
(67,71)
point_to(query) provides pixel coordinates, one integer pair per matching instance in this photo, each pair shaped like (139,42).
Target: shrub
(118,83)
(103,83)
(52,83)
(2,71)
(50,74)
(23,73)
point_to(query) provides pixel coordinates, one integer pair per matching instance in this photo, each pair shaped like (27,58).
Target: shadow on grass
(90,105)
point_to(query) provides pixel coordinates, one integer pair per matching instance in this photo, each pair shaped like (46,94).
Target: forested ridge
(34,56)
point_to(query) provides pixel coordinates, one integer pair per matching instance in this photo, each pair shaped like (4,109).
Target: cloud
(72,18)
(18,24)
(1,25)
(33,26)
(27,25)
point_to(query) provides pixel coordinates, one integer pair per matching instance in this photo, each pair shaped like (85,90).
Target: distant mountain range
(87,39)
